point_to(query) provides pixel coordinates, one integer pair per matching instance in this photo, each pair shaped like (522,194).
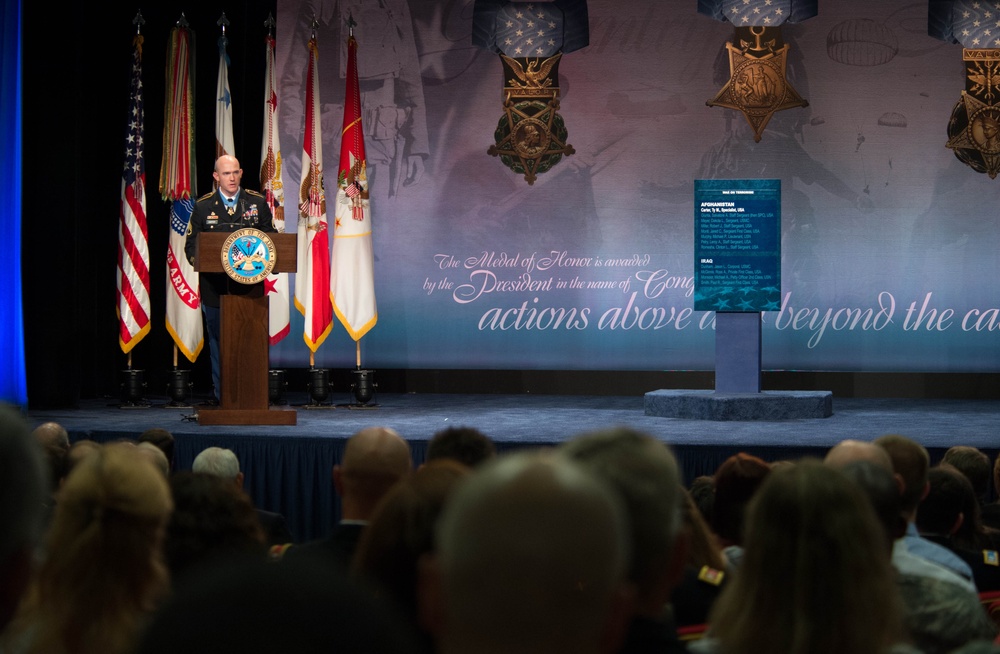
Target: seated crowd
(595,546)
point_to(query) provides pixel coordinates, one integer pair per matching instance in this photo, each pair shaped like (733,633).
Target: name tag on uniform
(212,220)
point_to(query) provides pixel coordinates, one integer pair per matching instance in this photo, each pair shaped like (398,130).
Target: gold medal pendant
(757,86)
(231,210)
(974,128)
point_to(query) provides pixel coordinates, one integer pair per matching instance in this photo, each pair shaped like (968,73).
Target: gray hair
(217,461)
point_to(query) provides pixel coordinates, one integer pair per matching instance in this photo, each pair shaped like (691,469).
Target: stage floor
(288,467)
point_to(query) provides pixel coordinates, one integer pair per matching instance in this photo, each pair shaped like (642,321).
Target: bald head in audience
(850,450)
(531,556)
(375,458)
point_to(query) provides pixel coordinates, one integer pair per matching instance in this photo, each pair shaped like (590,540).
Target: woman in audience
(704,572)
(816,576)
(103,571)
(736,481)
(213,519)
(401,531)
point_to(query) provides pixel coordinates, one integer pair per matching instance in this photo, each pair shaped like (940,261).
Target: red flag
(312,277)
(273,188)
(133,236)
(352,278)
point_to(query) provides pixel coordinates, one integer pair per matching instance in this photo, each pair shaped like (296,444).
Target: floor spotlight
(134,390)
(179,388)
(276,386)
(319,388)
(364,387)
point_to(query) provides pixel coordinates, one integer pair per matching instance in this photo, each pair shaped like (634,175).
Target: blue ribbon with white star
(974,24)
(759,13)
(528,29)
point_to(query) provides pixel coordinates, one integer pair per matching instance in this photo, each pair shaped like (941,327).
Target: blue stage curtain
(13,379)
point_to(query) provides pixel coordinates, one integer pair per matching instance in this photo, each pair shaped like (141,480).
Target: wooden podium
(243,342)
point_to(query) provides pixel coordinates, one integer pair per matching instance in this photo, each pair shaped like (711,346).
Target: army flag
(352,278)
(312,274)
(177,175)
(133,237)
(276,285)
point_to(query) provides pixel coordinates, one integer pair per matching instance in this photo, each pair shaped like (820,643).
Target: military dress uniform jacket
(210,215)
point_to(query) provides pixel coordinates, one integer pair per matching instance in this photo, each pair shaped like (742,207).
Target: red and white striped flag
(224,141)
(133,236)
(312,275)
(177,185)
(276,285)
(352,278)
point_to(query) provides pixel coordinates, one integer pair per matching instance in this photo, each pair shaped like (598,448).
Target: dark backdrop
(76,84)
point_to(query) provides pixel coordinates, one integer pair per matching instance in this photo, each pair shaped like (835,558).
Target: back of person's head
(702,491)
(736,480)
(103,567)
(54,439)
(24,485)
(879,485)
(402,530)
(465,444)
(950,508)
(217,461)
(910,461)
(531,556)
(212,519)
(644,471)
(704,549)
(78,450)
(161,438)
(850,450)
(375,458)
(974,464)
(155,455)
(247,605)
(816,574)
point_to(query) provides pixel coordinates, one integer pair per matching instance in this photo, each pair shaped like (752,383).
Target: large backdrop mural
(580,255)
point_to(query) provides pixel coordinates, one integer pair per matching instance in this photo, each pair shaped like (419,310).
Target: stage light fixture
(276,386)
(179,388)
(134,389)
(364,385)
(319,387)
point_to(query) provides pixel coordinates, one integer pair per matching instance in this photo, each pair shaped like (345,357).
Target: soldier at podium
(226,209)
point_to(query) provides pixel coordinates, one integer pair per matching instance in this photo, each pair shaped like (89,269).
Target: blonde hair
(103,569)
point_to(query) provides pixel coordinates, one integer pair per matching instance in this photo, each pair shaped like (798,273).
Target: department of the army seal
(248,255)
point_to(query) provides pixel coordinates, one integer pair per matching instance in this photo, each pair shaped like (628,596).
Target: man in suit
(224,463)
(375,459)
(226,209)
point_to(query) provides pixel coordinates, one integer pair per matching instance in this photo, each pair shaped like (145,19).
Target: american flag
(133,243)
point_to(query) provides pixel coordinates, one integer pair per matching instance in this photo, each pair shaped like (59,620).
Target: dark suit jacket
(338,546)
(275,527)
(210,215)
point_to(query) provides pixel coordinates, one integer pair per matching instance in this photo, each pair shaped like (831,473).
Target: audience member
(212,520)
(224,463)
(991,511)
(644,472)
(736,480)
(465,444)
(705,571)
(156,456)
(250,606)
(975,465)
(531,556)
(78,450)
(906,562)
(949,516)
(815,576)
(702,491)
(103,571)
(54,440)
(401,531)
(910,461)
(938,613)
(161,438)
(24,491)
(375,459)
